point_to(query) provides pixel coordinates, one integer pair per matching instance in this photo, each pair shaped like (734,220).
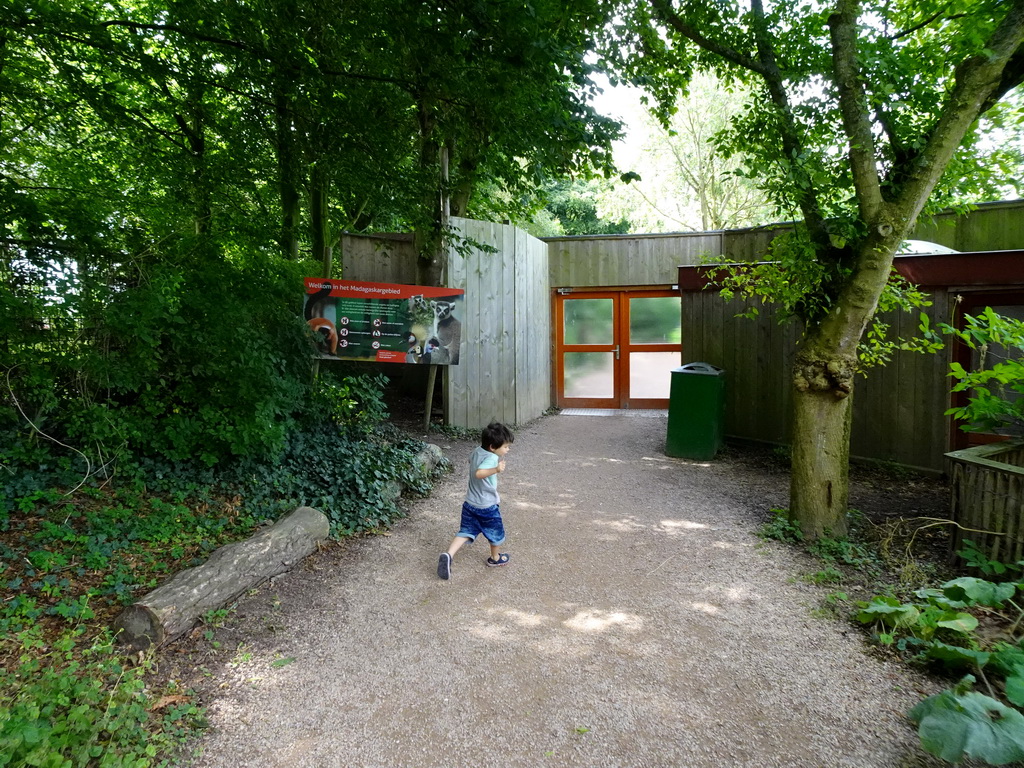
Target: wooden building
(524,355)
(898,409)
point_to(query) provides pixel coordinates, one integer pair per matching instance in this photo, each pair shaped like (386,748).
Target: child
(480,513)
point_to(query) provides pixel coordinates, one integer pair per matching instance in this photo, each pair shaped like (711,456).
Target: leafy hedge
(208,362)
(73,553)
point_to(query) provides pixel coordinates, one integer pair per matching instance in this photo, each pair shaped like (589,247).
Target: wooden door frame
(620,383)
(558,313)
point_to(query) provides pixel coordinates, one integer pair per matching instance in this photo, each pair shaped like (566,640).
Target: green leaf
(979,591)
(1015,688)
(955,656)
(953,727)
(1007,659)
(938,597)
(889,611)
(959,622)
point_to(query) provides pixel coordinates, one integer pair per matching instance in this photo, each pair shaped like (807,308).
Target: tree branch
(977,80)
(1013,75)
(853,106)
(238,44)
(807,196)
(926,22)
(667,15)
(766,66)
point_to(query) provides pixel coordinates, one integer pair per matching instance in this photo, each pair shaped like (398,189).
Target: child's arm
(488,471)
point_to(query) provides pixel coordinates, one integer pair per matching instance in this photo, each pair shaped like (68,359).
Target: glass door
(588,350)
(616,348)
(653,348)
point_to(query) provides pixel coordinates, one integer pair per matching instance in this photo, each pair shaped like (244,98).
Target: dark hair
(496,435)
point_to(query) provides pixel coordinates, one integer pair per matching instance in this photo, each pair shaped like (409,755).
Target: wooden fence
(990,227)
(988,494)
(385,258)
(505,373)
(897,409)
(505,368)
(623,260)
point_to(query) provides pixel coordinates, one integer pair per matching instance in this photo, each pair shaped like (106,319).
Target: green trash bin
(696,411)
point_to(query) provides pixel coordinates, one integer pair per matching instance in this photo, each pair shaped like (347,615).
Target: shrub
(995,402)
(67,705)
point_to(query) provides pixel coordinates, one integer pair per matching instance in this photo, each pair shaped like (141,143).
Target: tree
(169,171)
(506,94)
(861,117)
(572,209)
(686,181)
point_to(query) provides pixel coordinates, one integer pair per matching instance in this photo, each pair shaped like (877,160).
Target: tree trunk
(430,264)
(192,124)
(823,376)
(462,189)
(170,610)
(288,175)
(319,222)
(819,481)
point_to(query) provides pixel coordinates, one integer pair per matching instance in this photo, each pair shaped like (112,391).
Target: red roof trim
(937,270)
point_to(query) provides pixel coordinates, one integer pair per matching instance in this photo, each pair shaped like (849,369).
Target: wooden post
(429,404)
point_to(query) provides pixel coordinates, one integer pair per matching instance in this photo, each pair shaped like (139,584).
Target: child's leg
(456,545)
(494,531)
(444,562)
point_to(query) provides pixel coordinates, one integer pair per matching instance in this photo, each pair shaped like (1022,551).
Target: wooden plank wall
(382,258)
(506,372)
(533,328)
(990,227)
(755,354)
(621,260)
(505,369)
(898,410)
(988,491)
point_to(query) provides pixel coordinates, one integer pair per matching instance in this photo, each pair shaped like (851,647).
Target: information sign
(384,322)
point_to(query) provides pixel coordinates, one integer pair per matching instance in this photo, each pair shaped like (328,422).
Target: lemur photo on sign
(384,322)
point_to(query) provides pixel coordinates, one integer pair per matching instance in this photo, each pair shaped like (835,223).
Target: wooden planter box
(988,499)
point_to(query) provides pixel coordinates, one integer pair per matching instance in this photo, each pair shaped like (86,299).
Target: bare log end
(138,628)
(314,521)
(428,458)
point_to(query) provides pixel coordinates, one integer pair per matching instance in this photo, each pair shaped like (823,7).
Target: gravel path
(640,623)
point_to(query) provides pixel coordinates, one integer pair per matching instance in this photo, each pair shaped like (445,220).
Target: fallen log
(171,609)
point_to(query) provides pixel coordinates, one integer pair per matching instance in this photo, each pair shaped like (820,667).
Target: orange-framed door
(616,347)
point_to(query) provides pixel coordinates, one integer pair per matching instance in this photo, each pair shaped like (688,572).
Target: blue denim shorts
(482,521)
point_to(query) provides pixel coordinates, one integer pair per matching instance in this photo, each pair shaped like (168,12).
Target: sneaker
(502,560)
(444,566)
